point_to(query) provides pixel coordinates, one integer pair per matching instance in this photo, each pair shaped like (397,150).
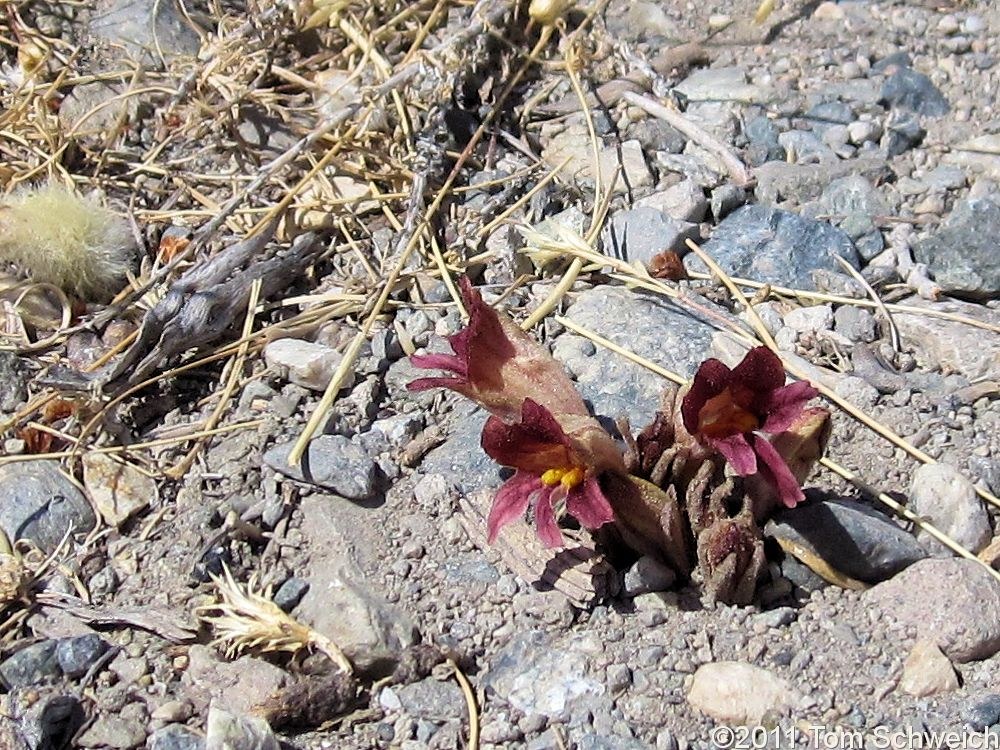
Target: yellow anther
(572,478)
(552,477)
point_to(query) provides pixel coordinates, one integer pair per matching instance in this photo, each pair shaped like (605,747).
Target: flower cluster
(566,464)
(538,426)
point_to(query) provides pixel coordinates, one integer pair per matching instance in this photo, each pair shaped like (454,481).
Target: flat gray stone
(942,495)
(852,538)
(536,676)
(964,254)
(950,345)
(146,30)
(953,602)
(780,181)
(908,89)
(39,503)
(775,246)
(641,233)
(341,604)
(332,462)
(652,327)
(721,84)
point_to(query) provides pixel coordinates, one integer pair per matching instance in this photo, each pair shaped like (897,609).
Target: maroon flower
(729,409)
(558,464)
(498,365)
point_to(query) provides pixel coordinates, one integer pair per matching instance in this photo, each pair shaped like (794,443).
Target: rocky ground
(865,131)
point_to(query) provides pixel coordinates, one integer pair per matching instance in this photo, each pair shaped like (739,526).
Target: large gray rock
(536,677)
(798,183)
(940,494)
(340,603)
(148,31)
(950,345)
(38,502)
(908,89)
(650,326)
(640,233)
(31,665)
(852,538)
(775,246)
(461,456)
(953,602)
(964,254)
(332,462)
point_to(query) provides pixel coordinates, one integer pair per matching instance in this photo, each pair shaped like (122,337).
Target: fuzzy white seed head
(55,235)
(547,12)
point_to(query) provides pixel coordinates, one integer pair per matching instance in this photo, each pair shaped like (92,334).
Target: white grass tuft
(55,235)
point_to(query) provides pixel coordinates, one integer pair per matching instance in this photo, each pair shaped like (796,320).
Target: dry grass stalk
(247,621)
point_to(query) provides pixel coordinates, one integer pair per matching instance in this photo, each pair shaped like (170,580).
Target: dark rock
(903,132)
(148,31)
(175,737)
(954,602)
(51,722)
(855,323)
(656,135)
(963,254)
(801,576)
(31,665)
(77,655)
(290,593)
(13,388)
(763,146)
(726,199)
(852,538)
(332,462)
(899,59)
(834,113)
(780,181)
(983,711)
(908,89)
(640,233)
(431,699)
(39,503)
(775,246)
(212,563)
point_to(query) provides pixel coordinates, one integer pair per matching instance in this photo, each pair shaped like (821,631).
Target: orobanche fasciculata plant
(692,488)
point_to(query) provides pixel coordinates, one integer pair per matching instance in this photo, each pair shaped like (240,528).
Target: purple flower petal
(710,380)
(424,384)
(536,443)
(545,521)
(446,362)
(588,505)
(760,371)
(737,451)
(511,501)
(785,405)
(774,469)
